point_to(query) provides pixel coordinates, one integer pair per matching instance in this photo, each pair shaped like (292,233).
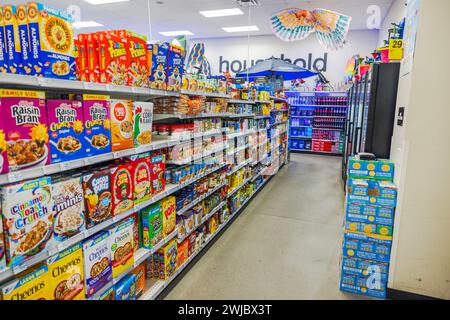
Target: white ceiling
(173,15)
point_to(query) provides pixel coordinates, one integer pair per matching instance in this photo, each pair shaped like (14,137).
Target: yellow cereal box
(66,274)
(32,285)
(169,210)
(122,124)
(121,244)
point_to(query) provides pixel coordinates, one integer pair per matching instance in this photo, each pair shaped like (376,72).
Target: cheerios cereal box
(122,124)
(66,274)
(3,52)
(22,22)
(14,55)
(97,124)
(143,122)
(31,285)
(122,247)
(169,212)
(114,58)
(52,41)
(158,74)
(175,64)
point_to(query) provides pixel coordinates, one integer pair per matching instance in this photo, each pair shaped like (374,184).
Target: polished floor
(284,245)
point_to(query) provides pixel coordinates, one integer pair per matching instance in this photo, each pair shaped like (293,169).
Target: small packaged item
(122,125)
(143,121)
(370,214)
(152,226)
(140,274)
(31,285)
(169,213)
(141,178)
(12,40)
(126,288)
(122,247)
(158,75)
(122,184)
(378,170)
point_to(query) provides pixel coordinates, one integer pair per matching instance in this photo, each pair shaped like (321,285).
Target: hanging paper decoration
(206,68)
(296,24)
(197,61)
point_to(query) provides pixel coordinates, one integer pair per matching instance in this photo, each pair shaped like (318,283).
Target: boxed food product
(136,230)
(369,229)
(379,169)
(52,41)
(166,263)
(66,274)
(98,197)
(31,285)
(370,214)
(122,247)
(12,41)
(2,248)
(365,268)
(152,226)
(23,130)
(97,124)
(157,170)
(126,288)
(141,178)
(169,213)
(122,185)
(97,263)
(382,193)
(175,61)
(23,36)
(182,252)
(82,65)
(158,74)
(3,52)
(28,219)
(114,58)
(108,295)
(363,285)
(92,56)
(143,122)
(367,247)
(66,130)
(140,274)
(122,124)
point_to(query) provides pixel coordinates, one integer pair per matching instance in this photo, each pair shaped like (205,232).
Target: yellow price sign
(396,48)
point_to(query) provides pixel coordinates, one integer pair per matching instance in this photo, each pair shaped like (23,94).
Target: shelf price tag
(396,48)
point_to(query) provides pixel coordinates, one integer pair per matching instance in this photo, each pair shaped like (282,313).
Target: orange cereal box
(81,57)
(92,56)
(114,55)
(140,273)
(122,125)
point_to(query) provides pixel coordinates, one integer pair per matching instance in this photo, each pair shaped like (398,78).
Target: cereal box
(370,214)
(81,58)
(136,232)
(140,274)
(97,263)
(126,288)
(109,294)
(141,178)
(152,226)
(169,212)
(66,130)
(157,178)
(122,184)
(26,58)
(23,130)
(122,125)
(158,75)
(114,58)
(122,247)
(143,122)
(92,57)
(14,56)
(66,274)
(169,257)
(32,285)
(2,248)
(182,252)
(97,124)
(98,197)
(67,208)
(28,219)
(3,52)
(138,71)
(175,64)
(378,170)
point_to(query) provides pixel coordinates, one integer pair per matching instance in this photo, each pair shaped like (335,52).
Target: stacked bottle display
(318,101)
(330,112)
(329,123)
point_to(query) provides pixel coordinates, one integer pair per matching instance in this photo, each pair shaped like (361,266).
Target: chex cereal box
(158,74)
(114,58)
(365,268)
(122,124)
(66,274)
(28,219)
(92,56)
(175,64)
(66,130)
(97,263)
(23,130)
(382,193)
(370,286)
(2,248)
(14,55)
(369,228)
(126,288)
(52,41)
(367,247)
(152,226)
(122,185)
(25,49)
(97,188)
(379,169)
(97,124)
(169,212)
(32,285)
(3,51)
(143,122)
(370,214)
(141,178)
(122,247)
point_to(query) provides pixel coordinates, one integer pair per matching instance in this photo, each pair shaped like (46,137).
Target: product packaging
(108,295)
(122,125)
(12,41)
(372,192)
(169,212)
(26,66)
(93,58)
(363,285)
(366,247)
(152,226)
(114,58)
(158,75)
(141,178)
(31,285)
(370,214)
(97,124)
(122,183)
(165,261)
(81,58)
(143,121)
(126,288)
(158,168)
(2,248)
(378,170)
(175,64)
(140,274)
(122,247)
(3,51)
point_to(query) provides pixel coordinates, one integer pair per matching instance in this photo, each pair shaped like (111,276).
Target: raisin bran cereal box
(14,55)
(122,125)
(97,124)
(97,262)
(31,285)
(24,140)
(3,52)
(169,213)
(122,247)
(66,130)
(175,63)
(152,226)
(2,248)
(92,56)
(22,22)
(114,58)
(28,219)
(66,274)
(158,74)
(157,170)
(97,188)
(51,39)
(143,123)
(141,178)
(140,274)
(122,184)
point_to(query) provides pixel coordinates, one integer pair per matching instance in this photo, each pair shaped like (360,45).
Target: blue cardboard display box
(370,214)
(378,170)
(366,247)
(382,193)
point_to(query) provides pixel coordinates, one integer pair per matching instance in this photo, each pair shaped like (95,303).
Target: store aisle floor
(284,245)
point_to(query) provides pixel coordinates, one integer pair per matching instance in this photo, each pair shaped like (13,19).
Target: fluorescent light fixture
(222,13)
(96,2)
(241,29)
(86,24)
(176,33)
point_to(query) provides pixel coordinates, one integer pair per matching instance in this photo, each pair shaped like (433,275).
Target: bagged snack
(169,213)
(98,197)
(31,285)
(143,121)
(114,58)
(122,125)
(158,75)
(122,247)
(175,68)
(12,41)
(122,183)
(97,124)
(152,226)
(126,288)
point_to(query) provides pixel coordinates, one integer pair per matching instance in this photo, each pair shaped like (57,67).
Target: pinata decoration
(296,24)
(197,62)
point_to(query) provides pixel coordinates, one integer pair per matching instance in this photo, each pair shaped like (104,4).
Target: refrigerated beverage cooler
(370,119)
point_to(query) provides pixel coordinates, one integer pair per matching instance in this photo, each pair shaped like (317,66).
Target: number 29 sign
(396,48)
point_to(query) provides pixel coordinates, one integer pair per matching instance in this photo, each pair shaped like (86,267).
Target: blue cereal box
(366,247)
(51,41)
(14,56)
(381,193)
(368,228)
(25,49)
(158,74)
(3,52)
(365,268)
(370,214)
(378,170)
(175,68)
(126,288)
(367,286)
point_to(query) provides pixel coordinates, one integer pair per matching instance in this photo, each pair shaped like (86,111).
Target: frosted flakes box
(152,226)
(370,214)
(2,248)
(97,124)
(14,55)
(23,130)
(143,123)
(32,285)
(175,64)
(26,58)
(66,274)
(370,286)
(122,125)
(378,170)
(126,288)
(158,74)
(66,130)
(3,51)
(122,186)
(122,247)
(52,41)
(97,188)
(114,58)
(28,219)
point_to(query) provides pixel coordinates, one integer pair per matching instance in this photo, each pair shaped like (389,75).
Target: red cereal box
(82,58)
(114,58)
(141,177)
(92,54)
(122,188)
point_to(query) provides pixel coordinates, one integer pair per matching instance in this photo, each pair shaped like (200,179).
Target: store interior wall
(396,13)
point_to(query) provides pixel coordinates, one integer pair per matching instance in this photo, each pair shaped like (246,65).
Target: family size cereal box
(175,64)
(98,197)
(158,74)
(157,178)
(2,248)
(152,226)
(141,178)
(3,52)
(122,247)
(66,130)
(140,274)
(108,295)
(143,122)
(97,124)
(23,130)
(66,274)
(122,184)
(122,125)
(28,219)
(81,58)
(97,263)
(126,288)
(52,41)
(92,56)
(169,212)
(25,49)
(31,285)
(378,170)
(114,58)
(14,55)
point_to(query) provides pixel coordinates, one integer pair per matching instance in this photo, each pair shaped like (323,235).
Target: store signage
(238,80)
(396,49)
(262,80)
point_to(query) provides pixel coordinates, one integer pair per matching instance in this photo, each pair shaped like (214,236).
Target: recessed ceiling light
(176,33)
(241,29)
(95,2)
(86,24)
(222,13)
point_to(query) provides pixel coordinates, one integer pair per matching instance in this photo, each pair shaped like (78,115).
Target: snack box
(122,247)
(382,193)
(122,125)
(122,186)
(28,219)
(182,253)
(136,231)
(369,229)
(370,214)
(365,268)
(140,274)
(367,247)
(97,124)
(98,196)
(141,178)
(152,226)
(175,64)
(2,248)
(23,130)
(157,178)
(366,286)
(379,169)
(66,130)
(92,56)
(52,41)
(125,290)
(108,295)
(26,66)
(3,51)
(143,123)
(158,74)
(66,274)
(114,58)
(30,285)
(81,57)
(169,257)
(12,41)
(169,213)
(97,262)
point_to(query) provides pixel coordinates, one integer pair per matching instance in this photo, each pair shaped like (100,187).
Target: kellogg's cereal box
(24,39)
(23,130)
(140,274)
(158,74)
(126,288)
(97,263)
(141,178)
(143,122)
(28,219)
(3,52)
(66,129)
(14,55)
(152,226)
(31,285)
(114,58)
(80,53)
(158,168)
(122,247)
(169,212)
(122,183)
(122,125)
(97,124)
(138,71)
(98,197)
(175,68)
(92,56)
(66,274)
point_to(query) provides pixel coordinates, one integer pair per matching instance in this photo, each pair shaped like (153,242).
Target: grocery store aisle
(284,245)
